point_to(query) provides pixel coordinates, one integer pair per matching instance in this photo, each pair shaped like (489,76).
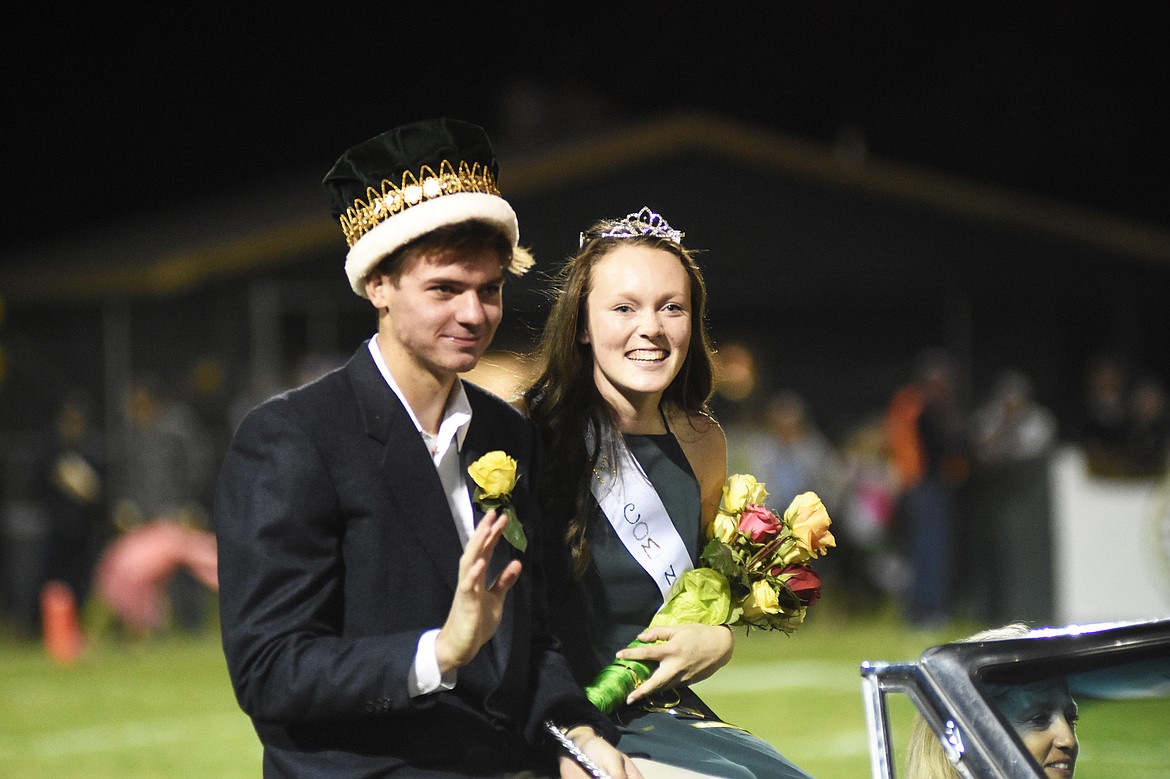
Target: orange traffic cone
(59,623)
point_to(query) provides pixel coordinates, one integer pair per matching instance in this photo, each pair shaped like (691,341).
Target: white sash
(637,515)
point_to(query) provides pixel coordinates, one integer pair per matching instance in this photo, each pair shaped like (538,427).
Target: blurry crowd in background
(122,521)
(940,498)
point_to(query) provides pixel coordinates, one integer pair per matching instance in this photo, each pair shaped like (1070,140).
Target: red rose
(758,522)
(802,582)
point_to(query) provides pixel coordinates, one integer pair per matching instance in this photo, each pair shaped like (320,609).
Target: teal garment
(621,598)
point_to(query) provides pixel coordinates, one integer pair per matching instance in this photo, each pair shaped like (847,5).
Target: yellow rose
(740,490)
(494,474)
(725,527)
(809,520)
(761,601)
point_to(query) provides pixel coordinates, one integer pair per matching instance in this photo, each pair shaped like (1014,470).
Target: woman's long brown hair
(564,401)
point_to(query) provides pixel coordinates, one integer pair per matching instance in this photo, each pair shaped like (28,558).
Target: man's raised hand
(478,604)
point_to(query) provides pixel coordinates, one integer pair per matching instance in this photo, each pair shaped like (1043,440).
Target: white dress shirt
(444,448)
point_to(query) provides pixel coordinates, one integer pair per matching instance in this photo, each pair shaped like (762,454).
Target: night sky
(118,111)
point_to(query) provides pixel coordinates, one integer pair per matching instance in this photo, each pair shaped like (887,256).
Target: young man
(374,622)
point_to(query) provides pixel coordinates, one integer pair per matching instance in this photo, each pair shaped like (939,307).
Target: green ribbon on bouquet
(701,595)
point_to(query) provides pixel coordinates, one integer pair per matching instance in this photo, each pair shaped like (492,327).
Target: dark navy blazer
(337,550)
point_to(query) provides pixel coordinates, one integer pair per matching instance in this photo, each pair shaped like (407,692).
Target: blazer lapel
(406,467)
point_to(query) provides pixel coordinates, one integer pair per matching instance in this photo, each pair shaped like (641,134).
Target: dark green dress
(615,600)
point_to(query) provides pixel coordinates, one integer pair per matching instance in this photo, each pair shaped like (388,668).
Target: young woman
(1042,712)
(624,376)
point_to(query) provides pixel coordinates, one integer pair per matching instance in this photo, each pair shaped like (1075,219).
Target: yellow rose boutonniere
(494,475)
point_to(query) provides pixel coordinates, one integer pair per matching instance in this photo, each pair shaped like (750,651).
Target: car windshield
(1057,703)
(1103,718)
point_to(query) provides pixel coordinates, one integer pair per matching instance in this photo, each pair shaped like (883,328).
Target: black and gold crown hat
(408,181)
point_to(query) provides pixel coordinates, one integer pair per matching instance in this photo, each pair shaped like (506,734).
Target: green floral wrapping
(702,596)
(609,689)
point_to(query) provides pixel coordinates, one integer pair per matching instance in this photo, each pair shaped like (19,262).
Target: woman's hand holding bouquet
(755,572)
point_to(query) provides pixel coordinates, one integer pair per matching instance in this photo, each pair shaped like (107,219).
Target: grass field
(165,708)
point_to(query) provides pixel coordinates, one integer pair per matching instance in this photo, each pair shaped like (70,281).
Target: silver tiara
(645,222)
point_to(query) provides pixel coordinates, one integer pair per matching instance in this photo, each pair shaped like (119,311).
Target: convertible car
(1117,674)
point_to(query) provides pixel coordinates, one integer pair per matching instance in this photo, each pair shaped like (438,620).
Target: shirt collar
(456,414)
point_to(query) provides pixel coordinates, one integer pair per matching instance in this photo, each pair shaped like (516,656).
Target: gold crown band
(364,216)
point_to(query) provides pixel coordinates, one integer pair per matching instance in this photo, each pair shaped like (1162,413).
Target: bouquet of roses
(765,557)
(754,572)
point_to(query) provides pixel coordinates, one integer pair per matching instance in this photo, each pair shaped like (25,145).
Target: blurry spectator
(155,460)
(790,455)
(870,569)
(135,570)
(53,515)
(207,399)
(737,385)
(162,461)
(501,372)
(1102,429)
(1147,433)
(1013,437)
(1010,426)
(25,529)
(737,374)
(71,485)
(927,432)
(1124,431)
(313,365)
